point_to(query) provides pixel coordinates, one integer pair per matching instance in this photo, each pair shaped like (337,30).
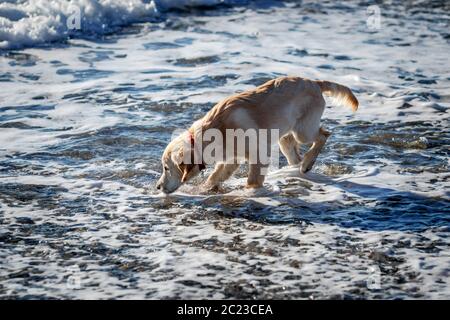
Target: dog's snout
(158,186)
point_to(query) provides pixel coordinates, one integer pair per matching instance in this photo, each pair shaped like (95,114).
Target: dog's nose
(158,186)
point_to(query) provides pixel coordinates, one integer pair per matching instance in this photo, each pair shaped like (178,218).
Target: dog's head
(178,164)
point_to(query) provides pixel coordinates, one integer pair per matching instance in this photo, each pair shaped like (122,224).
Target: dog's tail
(341,94)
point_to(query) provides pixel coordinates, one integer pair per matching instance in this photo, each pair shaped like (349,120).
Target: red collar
(202,165)
(191,137)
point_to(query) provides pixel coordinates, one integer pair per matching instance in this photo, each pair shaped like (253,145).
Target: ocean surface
(86,113)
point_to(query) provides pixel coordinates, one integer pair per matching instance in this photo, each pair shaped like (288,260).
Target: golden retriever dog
(291,105)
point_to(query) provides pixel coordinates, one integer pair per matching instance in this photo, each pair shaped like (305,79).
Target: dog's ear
(187,160)
(186,168)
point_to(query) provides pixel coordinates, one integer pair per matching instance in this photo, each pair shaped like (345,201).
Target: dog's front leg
(290,148)
(256,175)
(221,172)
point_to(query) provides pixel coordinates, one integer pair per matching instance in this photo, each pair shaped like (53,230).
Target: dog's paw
(213,188)
(253,186)
(305,168)
(209,188)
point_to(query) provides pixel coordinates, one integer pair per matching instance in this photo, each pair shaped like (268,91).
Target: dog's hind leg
(221,172)
(290,148)
(256,175)
(311,156)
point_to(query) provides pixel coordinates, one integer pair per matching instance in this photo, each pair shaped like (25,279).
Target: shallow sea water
(83,125)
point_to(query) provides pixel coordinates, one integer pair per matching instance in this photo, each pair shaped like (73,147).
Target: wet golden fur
(292,105)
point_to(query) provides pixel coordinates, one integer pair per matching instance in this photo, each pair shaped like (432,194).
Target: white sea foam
(33,22)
